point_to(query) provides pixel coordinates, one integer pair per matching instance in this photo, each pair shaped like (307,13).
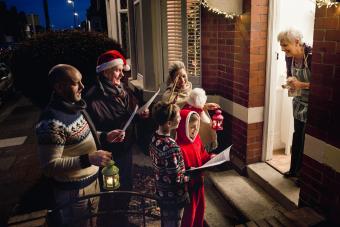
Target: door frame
(270,91)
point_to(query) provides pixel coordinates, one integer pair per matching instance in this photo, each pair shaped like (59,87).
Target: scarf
(117,92)
(179,96)
(60,103)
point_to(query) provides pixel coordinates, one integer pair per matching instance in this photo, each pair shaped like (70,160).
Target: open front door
(279,123)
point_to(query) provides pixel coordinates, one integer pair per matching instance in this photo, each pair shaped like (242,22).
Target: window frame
(120,35)
(197,79)
(154,40)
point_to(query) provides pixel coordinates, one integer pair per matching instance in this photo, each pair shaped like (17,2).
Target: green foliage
(32,61)
(5,55)
(12,23)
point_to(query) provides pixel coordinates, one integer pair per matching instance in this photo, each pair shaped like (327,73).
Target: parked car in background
(6,82)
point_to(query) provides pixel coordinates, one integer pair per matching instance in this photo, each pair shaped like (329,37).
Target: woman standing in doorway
(298,63)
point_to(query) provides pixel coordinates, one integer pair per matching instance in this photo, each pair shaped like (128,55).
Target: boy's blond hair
(163,112)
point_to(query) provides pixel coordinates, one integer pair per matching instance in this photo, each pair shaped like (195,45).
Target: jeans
(172,217)
(78,209)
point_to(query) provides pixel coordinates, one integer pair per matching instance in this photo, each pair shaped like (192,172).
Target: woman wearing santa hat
(109,106)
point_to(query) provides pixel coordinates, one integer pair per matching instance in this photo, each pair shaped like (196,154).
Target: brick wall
(233,66)
(324,113)
(258,52)
(320,189)
(254,142)
(320,183)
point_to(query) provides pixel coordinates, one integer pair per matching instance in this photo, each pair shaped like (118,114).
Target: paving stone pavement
(19,162)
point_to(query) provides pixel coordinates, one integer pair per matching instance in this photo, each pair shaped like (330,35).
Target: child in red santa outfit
(196,101)
(194,155)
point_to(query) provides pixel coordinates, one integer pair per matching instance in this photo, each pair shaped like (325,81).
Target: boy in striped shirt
(168,165)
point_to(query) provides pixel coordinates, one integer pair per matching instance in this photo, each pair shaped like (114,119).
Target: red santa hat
(111,59)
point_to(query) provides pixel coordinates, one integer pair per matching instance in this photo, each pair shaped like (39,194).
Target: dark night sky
(61,13)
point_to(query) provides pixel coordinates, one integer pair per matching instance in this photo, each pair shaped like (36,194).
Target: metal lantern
(217,120)
(111,176)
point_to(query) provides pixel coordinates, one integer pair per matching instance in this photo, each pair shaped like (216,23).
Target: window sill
(137,86)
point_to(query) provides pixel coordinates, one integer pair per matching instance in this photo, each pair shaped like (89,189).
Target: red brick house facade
(233,72)
(234,67)
(321,175)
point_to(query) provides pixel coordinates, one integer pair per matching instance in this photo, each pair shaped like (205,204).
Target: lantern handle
(111,162)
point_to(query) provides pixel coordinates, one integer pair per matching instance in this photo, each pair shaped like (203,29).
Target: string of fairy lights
(193,48)
(231,15)
(194,31)
(327,3)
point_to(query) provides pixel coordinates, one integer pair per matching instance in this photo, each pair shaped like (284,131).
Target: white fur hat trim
(197,98)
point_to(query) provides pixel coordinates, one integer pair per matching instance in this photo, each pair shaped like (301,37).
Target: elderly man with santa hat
(109,107)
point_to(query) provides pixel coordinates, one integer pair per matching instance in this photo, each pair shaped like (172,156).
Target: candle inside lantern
(116,180)
(109,181)
(217,120)
(214,124)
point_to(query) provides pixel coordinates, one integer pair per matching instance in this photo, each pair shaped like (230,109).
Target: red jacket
(194,153)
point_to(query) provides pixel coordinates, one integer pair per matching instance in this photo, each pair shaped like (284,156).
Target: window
(123,26)
(183,33)
(193,37)
(139,63)
(174,28)
(160,32)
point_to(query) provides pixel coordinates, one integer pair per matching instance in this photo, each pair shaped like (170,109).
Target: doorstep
(217,211)
(304,216)
(283,190)
(249,199)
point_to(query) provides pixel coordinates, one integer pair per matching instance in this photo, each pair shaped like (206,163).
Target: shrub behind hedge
(33,59)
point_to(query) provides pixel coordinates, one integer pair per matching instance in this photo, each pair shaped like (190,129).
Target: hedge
(32,60)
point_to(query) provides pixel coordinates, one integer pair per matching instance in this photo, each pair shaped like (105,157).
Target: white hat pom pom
(197,98)
(126,67)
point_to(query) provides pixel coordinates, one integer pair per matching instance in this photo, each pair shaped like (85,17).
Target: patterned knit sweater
(64,140)
(169,170)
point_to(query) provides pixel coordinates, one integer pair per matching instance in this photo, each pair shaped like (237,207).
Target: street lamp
(75,14)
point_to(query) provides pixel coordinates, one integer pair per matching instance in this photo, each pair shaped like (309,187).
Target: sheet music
(148,103)
(130,119)
(217,160)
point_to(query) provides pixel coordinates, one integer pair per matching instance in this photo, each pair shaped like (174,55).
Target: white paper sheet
(130,119)
(217,160)
(15,141)
(148,103)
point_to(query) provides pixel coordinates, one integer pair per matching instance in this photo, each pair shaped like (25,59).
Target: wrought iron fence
(140,207)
